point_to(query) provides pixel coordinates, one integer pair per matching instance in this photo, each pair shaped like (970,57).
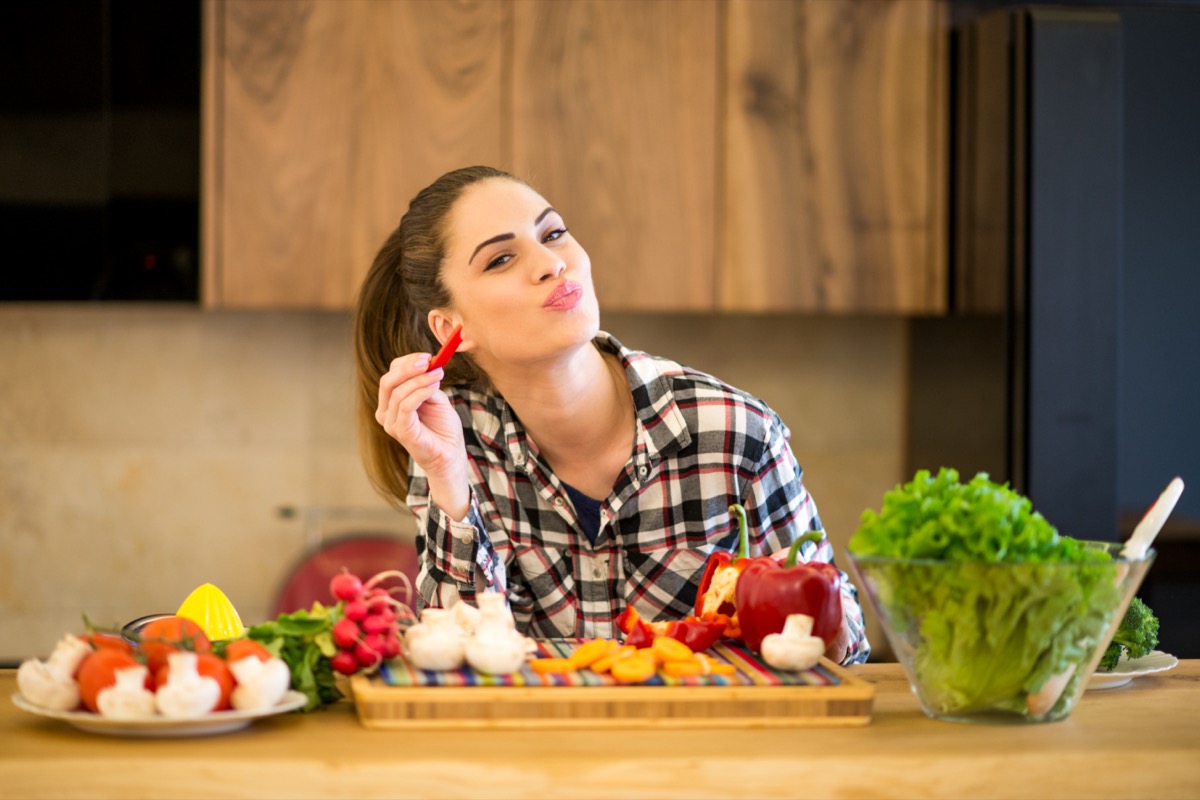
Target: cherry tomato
(167,635)
(240,648)
(99,671)
(100,641)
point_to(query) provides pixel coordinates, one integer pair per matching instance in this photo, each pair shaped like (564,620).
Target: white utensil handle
(1153,521)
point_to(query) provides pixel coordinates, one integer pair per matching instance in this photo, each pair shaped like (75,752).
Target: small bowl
(1000,642)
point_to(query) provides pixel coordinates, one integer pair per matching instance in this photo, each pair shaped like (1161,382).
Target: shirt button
(467,538)
(597,572)
(558,502)
(642,471)
(519,458)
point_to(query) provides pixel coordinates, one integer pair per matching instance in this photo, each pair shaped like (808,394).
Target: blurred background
(927,233)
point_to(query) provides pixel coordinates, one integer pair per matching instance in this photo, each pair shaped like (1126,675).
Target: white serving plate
(1126,669)
(163,727)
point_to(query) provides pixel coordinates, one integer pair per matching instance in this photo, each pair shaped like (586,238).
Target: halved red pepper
(767,591)
(715,597)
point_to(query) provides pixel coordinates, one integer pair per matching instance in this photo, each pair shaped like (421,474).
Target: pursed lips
(566,295)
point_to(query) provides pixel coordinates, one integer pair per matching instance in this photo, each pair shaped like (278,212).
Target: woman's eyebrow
(502,237)
(506,236)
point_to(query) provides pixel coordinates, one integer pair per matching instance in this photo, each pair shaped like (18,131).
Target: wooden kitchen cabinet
(614,119)
(833,176)
(322,119)
(711,155)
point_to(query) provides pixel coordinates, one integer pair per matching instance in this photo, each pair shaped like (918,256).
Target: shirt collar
(662,428)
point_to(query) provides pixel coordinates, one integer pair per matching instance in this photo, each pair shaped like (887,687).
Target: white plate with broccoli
(1129,668)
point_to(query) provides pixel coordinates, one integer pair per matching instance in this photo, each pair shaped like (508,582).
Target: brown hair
(392,318)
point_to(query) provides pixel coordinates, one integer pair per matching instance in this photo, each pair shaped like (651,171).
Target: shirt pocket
(662,582)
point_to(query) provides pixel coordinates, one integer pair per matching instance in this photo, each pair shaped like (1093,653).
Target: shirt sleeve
(456,559)
(777,501)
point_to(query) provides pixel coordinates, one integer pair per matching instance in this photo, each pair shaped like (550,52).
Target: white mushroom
(187,694)
(795,648)
(128,698)
(436,642)
(260,684)
(51,683)
(496,649)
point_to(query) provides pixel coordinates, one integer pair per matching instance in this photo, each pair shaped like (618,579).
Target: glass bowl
(1000,642)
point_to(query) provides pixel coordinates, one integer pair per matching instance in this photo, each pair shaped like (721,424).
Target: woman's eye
(498,261)
(557,233)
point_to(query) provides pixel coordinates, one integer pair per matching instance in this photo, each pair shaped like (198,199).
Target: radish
(346,587)
(346,632)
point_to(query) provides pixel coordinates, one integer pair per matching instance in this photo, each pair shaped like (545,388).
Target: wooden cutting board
(755,696)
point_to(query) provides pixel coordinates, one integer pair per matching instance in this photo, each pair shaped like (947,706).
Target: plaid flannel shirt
(699,446)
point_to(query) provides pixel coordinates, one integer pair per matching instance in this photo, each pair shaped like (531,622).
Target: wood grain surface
(833,195)
(1135,741)
(615,120)
(327,118)
(710,156)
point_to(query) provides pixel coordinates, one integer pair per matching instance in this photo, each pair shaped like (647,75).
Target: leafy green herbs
(303,639)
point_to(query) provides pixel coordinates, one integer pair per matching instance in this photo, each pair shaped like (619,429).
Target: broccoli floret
(1137,635)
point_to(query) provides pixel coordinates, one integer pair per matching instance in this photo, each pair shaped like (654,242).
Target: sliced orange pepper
(634,669)
(649,653)
(605,663)
(592,651)
(668,649)
(681,669)
(547,665)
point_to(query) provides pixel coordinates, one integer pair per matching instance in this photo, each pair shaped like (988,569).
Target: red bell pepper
(768,591)
(715,595)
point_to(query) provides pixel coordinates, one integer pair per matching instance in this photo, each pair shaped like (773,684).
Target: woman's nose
(550,266)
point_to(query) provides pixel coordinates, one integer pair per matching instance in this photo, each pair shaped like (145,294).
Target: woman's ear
(442,324)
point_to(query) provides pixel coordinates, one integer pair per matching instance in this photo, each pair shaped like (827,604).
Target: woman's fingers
(399,406)
(400,370)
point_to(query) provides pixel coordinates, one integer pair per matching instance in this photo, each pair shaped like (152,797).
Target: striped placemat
(750,671)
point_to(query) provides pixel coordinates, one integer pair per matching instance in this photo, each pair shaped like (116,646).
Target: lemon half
(209,608)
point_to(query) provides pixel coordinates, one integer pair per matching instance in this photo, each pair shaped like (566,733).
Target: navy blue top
(587,510)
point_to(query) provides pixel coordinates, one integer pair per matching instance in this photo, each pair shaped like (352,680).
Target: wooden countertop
(1139,740)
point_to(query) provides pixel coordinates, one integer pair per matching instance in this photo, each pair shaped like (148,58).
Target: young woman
(546,460)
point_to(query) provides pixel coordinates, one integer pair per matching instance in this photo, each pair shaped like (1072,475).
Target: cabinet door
(615,121)
(322,119)
(833,194)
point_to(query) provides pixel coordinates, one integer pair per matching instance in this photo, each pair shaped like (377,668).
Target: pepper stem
(794,550)
(743,532)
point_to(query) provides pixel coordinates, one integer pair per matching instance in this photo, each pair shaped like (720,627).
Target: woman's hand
(416,413)
(837,649)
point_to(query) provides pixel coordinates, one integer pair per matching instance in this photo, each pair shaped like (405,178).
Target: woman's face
(518,281)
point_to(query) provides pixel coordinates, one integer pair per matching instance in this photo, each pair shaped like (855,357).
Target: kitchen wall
(145,450)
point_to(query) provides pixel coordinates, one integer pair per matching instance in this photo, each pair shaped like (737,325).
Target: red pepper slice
(443,355)
(697,634)
(637,632)
(768,591)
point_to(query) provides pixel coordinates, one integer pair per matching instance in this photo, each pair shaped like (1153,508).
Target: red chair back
(362,554)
